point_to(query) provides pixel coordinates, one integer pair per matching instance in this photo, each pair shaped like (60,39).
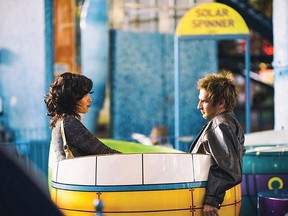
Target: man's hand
(210,211)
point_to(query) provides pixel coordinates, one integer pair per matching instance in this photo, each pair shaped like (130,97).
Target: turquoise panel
(142,77)
(265,162)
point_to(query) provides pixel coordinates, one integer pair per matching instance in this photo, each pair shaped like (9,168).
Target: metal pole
(248,102)
(176,90)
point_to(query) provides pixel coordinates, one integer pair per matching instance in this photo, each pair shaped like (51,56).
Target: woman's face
(84,104)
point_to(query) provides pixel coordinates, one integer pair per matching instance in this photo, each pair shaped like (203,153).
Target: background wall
(25,68)
(142,77)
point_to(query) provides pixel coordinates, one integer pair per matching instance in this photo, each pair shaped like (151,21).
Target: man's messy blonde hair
(220,86)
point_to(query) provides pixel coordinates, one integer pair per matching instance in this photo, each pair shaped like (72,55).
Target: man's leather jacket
(223,138)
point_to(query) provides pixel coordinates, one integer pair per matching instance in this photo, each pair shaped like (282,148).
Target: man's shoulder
(223,119)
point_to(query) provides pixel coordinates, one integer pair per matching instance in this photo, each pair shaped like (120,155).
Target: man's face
(206,106)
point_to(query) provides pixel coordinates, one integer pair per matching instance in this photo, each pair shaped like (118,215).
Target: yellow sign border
(211,19)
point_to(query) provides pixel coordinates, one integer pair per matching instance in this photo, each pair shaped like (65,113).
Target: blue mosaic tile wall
(142,82)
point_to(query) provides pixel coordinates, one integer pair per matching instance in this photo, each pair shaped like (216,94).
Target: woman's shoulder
(70,120)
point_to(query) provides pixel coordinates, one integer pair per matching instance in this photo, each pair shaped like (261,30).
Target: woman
(68,97)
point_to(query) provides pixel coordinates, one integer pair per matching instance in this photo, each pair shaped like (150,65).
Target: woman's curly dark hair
(64,93)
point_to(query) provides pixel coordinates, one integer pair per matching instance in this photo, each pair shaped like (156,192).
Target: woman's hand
(210,210)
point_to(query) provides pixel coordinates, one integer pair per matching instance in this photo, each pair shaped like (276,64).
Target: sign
(211,19)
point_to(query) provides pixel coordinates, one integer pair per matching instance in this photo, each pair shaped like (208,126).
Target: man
(222,137)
